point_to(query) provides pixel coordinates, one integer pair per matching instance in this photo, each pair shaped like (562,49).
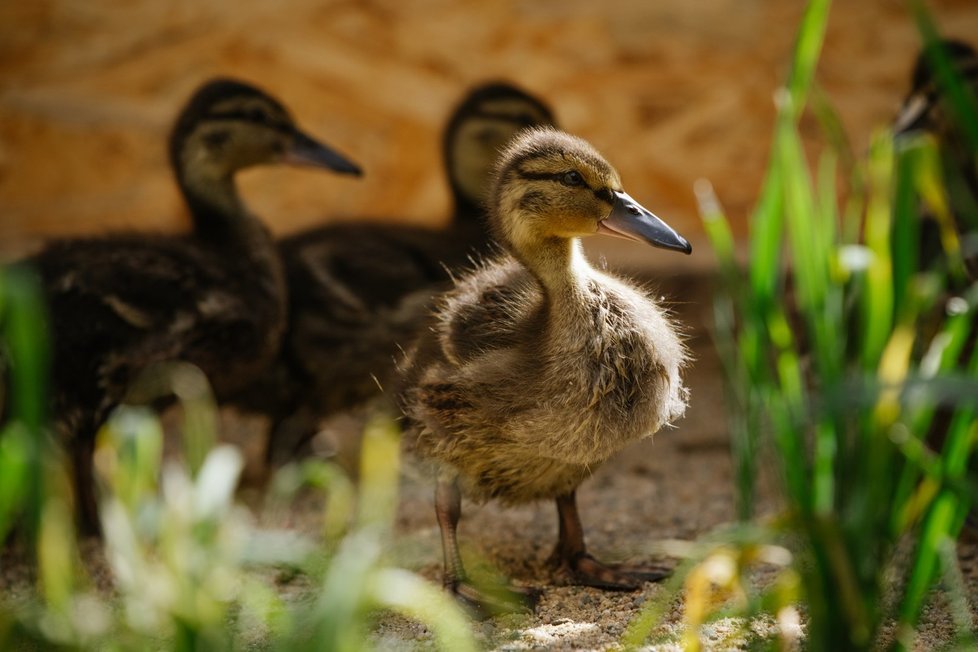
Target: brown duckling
(216,297)
(359,290)
(538,367)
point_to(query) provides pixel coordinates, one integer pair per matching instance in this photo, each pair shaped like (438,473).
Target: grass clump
(190,567)
(851,368)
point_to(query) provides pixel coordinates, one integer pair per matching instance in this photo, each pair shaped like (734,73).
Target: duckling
(216,297)
(360,289)
(926,108)
(537,367)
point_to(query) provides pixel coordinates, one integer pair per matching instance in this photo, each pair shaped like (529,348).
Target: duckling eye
(216,139)
(486,136)
(572,178)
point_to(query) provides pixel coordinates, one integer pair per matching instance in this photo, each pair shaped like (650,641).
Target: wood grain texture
(673,90)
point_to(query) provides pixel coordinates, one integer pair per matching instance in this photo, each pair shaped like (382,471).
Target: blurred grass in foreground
(23,400)
(851,368)
(190,568)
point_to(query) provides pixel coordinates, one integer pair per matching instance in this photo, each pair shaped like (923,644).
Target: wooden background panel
(671,91)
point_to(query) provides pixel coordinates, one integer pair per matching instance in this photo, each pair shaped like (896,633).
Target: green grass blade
(877,297)
(942,519)
(765,239)
(766,222)
(906,226)
(808,46)
(744,429)
(23,331)
(717,229)
(24,324)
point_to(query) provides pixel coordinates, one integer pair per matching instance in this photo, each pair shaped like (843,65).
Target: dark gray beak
(632,221)
(307,151)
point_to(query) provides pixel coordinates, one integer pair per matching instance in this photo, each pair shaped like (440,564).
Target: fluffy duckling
(537,366)
(360,289)
(927,108)
(216,298)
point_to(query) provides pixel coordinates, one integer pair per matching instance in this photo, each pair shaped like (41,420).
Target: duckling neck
(215,206)
(561,268)
(222,222)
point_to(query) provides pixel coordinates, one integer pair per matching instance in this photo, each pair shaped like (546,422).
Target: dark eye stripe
(540,176)
(605,195)
(547,176)
(522,119)
(250,116)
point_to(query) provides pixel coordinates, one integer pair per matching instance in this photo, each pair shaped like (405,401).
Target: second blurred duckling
(216,298)
(358,290)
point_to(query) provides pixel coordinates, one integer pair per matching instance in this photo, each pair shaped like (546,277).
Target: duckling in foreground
(216,298)
(928,108)
(359,290)
(538,367)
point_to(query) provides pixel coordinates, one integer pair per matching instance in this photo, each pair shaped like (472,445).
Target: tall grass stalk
(23,399)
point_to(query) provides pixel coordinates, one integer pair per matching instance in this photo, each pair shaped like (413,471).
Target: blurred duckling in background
(215,298)
(359,290)
(928,108)
(537,367)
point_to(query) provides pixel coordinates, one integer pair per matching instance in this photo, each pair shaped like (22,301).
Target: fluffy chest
(602,344)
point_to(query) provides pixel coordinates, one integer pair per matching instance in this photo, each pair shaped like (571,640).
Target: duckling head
(229,125)
(486,120)
(551,186)
(919,107)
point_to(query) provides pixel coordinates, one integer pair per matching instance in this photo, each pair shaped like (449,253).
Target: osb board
(671,91)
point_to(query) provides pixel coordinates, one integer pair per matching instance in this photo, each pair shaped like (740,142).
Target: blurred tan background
(669,90)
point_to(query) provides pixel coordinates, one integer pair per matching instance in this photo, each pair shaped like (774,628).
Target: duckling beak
(632,221)
(308,151)
(913,114)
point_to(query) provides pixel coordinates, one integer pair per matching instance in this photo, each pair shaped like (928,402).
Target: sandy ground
(678,486)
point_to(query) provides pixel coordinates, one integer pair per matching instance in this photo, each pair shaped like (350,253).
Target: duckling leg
(448,509)
(576,566)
